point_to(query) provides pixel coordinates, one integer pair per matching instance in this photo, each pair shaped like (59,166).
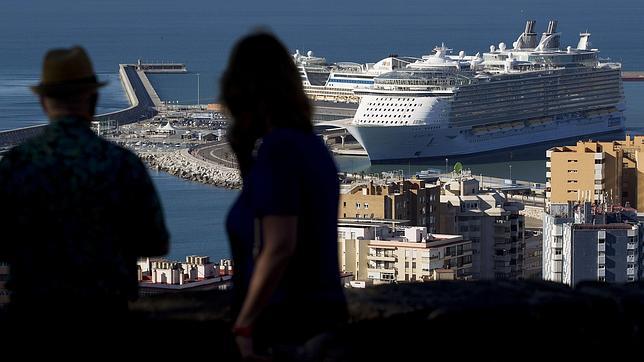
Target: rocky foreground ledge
(458,318)
(461,320)
(182,164)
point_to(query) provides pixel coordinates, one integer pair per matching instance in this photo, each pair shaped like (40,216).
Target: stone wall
(182,164)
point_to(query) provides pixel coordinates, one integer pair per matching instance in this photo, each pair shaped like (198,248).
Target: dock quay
(331,111)
(141,95)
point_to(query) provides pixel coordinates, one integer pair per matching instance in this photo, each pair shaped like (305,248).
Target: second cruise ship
(444,104)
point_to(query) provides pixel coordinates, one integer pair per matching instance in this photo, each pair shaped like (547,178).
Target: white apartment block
(585,242)
(377,253)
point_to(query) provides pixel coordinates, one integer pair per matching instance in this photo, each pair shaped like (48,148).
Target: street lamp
(446,165)
(510,172)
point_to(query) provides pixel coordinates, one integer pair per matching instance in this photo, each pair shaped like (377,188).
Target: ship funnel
(552,27)
(528,39)
(549,39)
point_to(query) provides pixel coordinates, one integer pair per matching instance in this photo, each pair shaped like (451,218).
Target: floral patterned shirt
(75,213)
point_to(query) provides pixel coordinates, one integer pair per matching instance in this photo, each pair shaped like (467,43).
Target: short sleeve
(276,178)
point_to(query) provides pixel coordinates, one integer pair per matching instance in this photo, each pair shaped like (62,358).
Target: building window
(357,205)
(366,205)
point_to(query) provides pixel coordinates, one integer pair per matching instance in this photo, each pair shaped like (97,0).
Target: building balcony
(601,259)
(382,269)
(630,258)
(601,247)
(381,258)
(601,272)
(631,246)
(630,271)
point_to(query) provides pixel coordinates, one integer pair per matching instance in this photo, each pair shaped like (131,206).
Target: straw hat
(67,72)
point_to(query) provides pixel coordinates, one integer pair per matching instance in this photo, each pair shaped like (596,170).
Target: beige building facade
(598,172)
(412,200)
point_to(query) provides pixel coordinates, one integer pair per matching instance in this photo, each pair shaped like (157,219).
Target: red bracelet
(243,331)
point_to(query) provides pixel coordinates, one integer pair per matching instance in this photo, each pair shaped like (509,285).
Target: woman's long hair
(262,89)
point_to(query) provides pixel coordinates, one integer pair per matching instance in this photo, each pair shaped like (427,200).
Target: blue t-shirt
(293,174)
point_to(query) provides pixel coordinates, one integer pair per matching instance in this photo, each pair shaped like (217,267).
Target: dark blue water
(200,33)
(195,215)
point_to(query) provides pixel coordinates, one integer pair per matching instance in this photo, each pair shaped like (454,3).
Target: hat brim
(64,89)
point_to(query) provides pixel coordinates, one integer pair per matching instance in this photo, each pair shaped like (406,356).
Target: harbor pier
(143,99)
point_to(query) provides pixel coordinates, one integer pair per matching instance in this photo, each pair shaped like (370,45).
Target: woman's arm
(280,235)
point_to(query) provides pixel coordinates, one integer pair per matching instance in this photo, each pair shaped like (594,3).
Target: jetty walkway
(144,101)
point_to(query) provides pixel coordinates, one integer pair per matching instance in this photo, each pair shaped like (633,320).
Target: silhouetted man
(75,210)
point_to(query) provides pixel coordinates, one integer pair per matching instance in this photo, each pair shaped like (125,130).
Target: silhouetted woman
(283,226)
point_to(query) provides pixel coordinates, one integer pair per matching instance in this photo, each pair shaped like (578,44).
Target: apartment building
(412,200)
(607,172)
(585,241)
(490,221)
(381,253)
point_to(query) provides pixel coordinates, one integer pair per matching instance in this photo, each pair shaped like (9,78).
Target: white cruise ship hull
(388,143)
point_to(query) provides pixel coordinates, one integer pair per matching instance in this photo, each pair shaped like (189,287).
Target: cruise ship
(445,105)
(336,82)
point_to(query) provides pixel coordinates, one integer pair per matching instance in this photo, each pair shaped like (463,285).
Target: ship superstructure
(444,104)
(335,82)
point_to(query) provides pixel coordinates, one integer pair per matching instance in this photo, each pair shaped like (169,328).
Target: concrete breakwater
(182,164)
